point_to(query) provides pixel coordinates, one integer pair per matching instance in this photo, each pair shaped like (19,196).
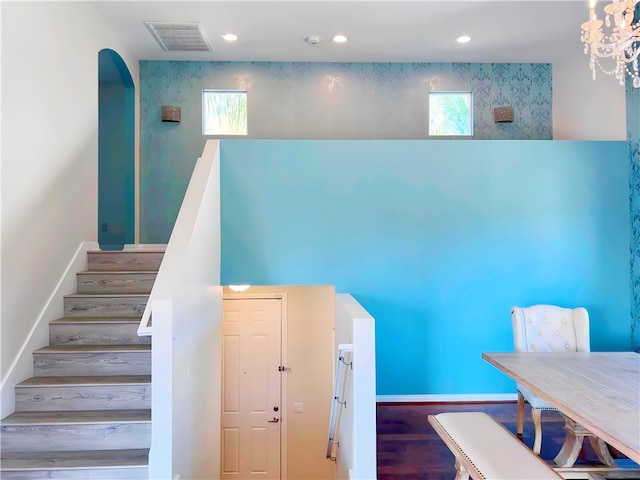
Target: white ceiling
(378,31)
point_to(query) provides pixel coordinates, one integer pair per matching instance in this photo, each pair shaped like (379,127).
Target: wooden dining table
(599,390)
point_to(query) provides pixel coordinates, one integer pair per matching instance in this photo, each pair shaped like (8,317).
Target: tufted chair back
(549,328)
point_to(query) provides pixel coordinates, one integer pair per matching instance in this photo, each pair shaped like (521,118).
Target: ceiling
(378,31)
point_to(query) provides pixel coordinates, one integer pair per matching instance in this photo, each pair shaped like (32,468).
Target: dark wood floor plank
(409,449)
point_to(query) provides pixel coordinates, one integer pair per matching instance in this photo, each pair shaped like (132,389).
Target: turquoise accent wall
(112,166)
(633,139)
(318,101)
(437,240)
(116,152)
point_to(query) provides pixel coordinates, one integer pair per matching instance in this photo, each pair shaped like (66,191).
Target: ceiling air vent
(179,36)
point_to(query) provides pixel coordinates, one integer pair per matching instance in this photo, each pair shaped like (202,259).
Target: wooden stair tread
(86,380)
(75,459)
(96,424)
(117,272)
(77,417)
(132,251)
(106,295)
(137,347)
(110,320)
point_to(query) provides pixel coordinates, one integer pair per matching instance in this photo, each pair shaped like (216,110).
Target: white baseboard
(432,398)
(22,366)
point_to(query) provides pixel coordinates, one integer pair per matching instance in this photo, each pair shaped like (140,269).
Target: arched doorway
(116,152)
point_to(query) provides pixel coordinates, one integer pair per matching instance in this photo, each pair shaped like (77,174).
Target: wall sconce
(503,115)
(170,113)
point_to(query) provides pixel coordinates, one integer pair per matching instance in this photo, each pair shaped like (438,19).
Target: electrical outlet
(297,408)
(104,227)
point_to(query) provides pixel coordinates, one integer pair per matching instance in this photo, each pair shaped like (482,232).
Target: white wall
(583,108)
(49,153)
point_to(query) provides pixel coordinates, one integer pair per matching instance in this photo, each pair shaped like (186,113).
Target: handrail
(339,404)
(182,231)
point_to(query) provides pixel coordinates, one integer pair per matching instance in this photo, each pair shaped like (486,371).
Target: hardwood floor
(409,449)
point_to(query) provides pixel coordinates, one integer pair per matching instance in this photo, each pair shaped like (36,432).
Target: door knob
(275,420)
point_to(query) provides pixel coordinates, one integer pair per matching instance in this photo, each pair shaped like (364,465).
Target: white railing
(186,306)
(354,443)
(340,394)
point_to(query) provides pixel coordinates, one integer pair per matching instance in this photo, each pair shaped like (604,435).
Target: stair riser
(131,473)
(105,307)
(125,261)
(115,282)
(81,397)
(69,437)
(96,334)
(108,363)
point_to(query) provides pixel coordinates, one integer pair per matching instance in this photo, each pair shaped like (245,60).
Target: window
(224,112)
(450,113)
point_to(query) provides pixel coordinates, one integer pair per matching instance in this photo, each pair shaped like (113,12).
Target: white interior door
(251,389)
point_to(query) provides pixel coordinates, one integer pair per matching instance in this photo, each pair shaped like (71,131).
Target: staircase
(86,412)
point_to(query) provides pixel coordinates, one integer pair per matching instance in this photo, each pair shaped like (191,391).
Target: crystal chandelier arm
(618,40)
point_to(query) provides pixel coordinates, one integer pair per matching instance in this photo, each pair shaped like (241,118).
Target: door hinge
(282,368)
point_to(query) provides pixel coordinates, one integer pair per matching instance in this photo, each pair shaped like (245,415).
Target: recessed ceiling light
(463,39)
(339,39)
(239,288)
(229,37)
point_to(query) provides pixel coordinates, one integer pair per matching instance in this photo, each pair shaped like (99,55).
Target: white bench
(484,449)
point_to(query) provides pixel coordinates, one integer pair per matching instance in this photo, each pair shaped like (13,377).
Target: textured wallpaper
(354,100)
(319,101)
(633,139)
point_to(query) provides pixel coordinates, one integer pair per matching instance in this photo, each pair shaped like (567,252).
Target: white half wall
(357,454)
(186,302)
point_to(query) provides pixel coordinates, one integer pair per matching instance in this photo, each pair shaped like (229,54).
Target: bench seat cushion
(487,449)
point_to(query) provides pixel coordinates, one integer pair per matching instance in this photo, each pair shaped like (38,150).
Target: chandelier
(614,39)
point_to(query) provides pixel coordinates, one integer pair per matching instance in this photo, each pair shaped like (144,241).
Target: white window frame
(469,94)
(205,131)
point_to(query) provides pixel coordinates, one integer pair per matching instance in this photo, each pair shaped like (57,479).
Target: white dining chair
(546,328)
